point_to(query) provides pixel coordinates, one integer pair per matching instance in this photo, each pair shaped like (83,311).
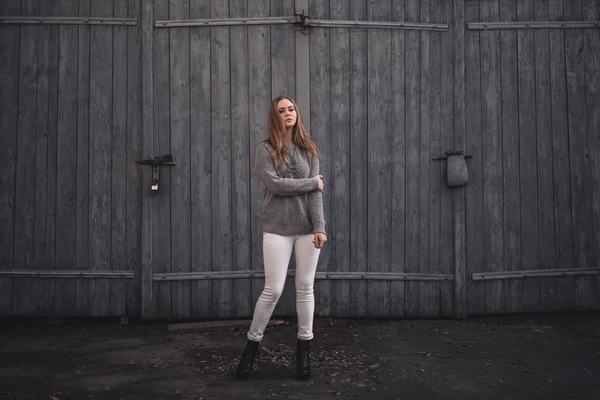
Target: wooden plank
(41,161)
(161,200)
(510,158)
(546,228)
(413,158)
(436,179)
(475,293)
(460,243)
(9,86)
(101,69)
(339,226)
(82,240)
(425,308)
(180,109)
(66,172)
(201,161)
(221,160)
(358,160)
(133,172)
(24,200)
(147,137)
(528,157)
(118,255)
(52,162)
(491,124)
(398,162)
(588,293)
(240,145)
(282,51)
(259,91)
(446,229)
(320,119)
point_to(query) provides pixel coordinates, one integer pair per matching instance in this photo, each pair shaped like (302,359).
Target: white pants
(277,251)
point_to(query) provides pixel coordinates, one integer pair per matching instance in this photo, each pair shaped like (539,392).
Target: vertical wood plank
(548,298)
(118,227)
(24,205)
(41,161)
(339,226)
(66,172)
(460,244)
(82,238)
(134,153)
(510,158)
(320,117)
(147,223)
(101,103)
(528,156)
(201,160)
(240,157)
(493,240)
(52,164)
(379,150)
(399,151)
(161,200)
(282,52)
(425,307)
(180,110)
(565,286)
(221,159)
(446,263)
(358,159)
(259,91)
(9,86)
(474,192)
(436,179)
(413,158)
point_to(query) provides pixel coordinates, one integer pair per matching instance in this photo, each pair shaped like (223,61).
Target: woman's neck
(288,136)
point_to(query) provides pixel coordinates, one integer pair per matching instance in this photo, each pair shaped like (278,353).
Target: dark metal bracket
(302,20)
(155,163)
(452,153)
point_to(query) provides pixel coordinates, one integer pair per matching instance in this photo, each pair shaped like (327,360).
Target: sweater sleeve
(315,201)
(265,170)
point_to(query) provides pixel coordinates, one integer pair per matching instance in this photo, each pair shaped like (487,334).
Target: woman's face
(288,112)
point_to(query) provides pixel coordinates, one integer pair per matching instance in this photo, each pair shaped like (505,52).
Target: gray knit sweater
(293,205)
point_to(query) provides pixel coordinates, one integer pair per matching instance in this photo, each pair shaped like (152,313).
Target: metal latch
(302,20)
(155,163)
(457,172)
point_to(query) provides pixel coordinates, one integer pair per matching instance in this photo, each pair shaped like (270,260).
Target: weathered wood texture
(532,126)
(70,137)
(378,103)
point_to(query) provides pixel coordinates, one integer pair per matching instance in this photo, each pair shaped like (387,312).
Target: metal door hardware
(155,163)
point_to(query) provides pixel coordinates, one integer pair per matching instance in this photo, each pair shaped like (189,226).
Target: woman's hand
(319,240)
(319,179)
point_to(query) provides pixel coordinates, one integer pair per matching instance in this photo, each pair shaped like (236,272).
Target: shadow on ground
(509,357)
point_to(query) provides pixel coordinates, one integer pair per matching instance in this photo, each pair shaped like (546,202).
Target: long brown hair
(276,128)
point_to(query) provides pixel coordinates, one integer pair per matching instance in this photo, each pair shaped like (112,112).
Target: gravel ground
(509,357)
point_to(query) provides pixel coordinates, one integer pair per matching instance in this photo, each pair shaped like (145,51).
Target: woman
(287,163)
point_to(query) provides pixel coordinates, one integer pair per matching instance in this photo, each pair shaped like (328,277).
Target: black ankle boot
(303,359)
(245,367)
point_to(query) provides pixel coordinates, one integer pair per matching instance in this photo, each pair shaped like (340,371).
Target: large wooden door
(375,85)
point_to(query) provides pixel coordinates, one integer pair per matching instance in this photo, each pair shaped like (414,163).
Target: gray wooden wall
(70,131)
(533,126)
(82,102)
(381,109)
